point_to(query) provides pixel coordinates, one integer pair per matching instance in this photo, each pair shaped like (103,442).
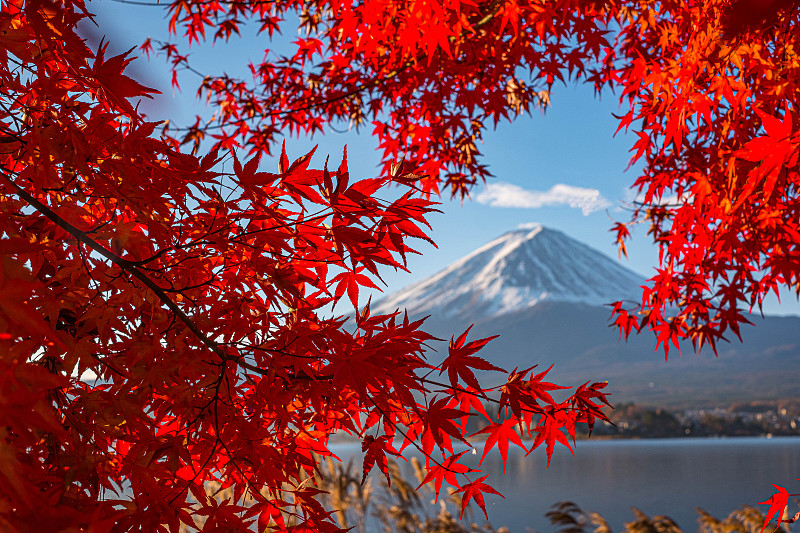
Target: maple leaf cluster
(711,94)
(713,105)
(198,286)
(710,89)
(426,78)
(199,291)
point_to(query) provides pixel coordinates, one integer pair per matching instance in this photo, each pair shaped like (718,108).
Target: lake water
(665,476)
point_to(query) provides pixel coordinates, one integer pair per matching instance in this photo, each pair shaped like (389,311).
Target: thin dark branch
(131,269)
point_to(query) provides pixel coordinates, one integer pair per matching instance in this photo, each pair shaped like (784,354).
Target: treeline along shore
(741,419)
(736,420)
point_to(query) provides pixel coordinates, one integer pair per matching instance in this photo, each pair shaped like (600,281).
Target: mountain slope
(543,293)
(577,340)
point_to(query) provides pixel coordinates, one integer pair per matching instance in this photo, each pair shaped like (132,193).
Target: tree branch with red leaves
(208,319)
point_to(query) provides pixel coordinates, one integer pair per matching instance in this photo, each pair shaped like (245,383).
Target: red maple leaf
(551,430)
(778,503)
(501,434)
(116,85)
(588,399)
(445,471)
(475,491)
(460,358)
(468,399)
(439,426)
(376,453)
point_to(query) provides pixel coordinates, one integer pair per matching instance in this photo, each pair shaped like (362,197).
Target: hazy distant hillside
(543,293)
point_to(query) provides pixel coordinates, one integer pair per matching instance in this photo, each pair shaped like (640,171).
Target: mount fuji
(516,271)
(544,293)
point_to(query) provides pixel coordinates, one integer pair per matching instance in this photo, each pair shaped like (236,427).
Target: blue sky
(564,169)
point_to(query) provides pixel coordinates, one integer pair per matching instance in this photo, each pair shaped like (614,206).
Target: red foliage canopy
(198,287)
(711,87)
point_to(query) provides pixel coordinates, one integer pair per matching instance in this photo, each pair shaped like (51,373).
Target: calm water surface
(664,476)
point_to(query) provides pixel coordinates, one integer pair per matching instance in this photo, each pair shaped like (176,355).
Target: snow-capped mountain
(541,292)
(516,271)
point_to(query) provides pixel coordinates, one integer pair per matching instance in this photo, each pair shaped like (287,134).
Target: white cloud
(503,194)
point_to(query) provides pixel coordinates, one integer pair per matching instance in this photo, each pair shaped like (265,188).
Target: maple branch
(493,10)
(479,394)
(414,442)
(276,113)
(132,269)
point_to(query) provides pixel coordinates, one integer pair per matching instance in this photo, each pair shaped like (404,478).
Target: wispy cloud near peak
(504,194)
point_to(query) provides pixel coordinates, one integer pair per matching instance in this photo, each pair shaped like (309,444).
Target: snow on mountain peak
(516,271)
